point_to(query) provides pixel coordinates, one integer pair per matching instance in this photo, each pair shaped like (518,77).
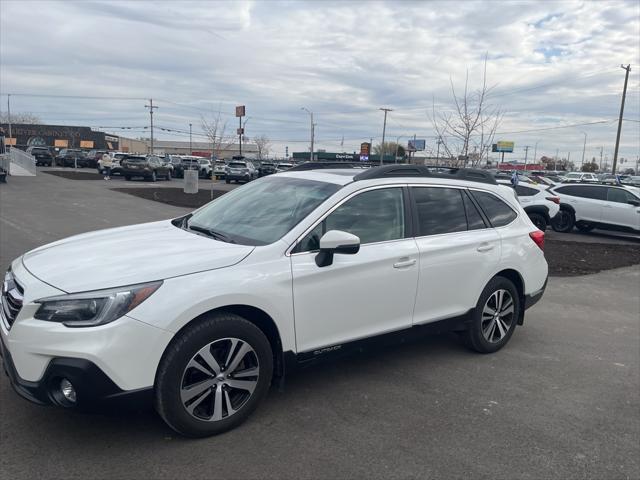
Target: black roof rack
(323,165)
(431,171)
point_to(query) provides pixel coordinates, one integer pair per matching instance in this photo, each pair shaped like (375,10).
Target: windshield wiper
(211,233)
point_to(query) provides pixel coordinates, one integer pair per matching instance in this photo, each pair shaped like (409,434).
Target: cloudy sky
(553,65)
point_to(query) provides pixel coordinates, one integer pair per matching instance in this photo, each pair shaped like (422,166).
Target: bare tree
(391,148)
(472,124)
(20,117)
(263,144)
(215,130)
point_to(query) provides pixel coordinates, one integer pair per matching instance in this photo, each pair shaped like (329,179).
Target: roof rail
(322,165)
(431,171)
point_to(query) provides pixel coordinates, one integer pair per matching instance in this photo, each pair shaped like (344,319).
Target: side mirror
(336,241)
(635,203)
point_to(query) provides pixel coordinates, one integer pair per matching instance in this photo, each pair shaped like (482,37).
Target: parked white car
(597,206)
(219,169)
(538,202)
(287,269)
(580,177)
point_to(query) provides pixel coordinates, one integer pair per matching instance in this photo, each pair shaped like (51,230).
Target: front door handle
(404,263)
(485,247)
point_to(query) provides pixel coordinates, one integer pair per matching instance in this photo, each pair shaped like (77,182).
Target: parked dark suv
(267,168)
(70,157)
(42,155)
(150,168)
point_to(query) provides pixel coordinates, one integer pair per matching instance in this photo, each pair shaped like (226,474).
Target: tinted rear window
(238,165)
(440,210)
(496,210)
(135,160)
(525,191)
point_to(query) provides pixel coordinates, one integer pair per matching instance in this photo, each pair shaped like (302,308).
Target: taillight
(538,238)
(555,200)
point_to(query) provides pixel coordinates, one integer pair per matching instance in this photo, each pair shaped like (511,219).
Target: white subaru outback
(202,313)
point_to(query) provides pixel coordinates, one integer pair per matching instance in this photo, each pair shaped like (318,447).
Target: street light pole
(312,130)
(535,152)
(190,141)
(384,129)
(584,147)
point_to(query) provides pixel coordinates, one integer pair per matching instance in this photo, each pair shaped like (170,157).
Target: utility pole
(601,148)
(439,141)
(584,147)
(384,130)
(535,152)
(312,131)
(555,162)
(151,107)
(190,141)
(624,95)
(9,116)
(526,154)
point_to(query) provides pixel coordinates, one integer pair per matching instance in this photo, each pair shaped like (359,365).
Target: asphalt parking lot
(560,401)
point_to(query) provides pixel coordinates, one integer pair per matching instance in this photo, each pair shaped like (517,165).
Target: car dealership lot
(559,401)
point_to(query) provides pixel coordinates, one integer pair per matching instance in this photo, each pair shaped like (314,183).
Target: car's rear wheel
(539,221)
(213,375)
(495,316)
(563,222)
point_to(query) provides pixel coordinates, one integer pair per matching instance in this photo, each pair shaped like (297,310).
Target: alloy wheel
(219,379)
(497,316)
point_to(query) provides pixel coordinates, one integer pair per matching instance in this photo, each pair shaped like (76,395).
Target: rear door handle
(484,247)
(404,263)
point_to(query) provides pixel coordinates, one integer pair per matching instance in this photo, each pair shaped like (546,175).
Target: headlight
(89,309)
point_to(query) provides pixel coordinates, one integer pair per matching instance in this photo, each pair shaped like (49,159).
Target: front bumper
(94,389)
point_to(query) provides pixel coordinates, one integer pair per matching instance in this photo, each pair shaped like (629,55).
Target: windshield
(573,175)
(262,211)
(238,165)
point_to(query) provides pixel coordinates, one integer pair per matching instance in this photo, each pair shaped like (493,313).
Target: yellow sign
(505,146)
(86,143)
(10,141)
(61,143)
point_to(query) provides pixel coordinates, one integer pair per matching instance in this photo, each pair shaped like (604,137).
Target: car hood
(129,255)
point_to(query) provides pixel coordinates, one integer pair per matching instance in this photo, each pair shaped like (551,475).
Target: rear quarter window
(496,210)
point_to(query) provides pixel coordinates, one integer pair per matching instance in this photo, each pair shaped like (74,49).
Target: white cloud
(553,63)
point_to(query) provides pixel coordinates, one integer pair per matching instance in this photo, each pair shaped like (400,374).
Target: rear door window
(523,191)
(496,210)
(440,210)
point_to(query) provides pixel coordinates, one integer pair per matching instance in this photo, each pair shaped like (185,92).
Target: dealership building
(57,137)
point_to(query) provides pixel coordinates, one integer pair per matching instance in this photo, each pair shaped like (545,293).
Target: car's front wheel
(213,375)
(495,316)
(563,222)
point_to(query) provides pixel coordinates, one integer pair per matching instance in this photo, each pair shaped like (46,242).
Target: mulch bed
(565,259)
(75,175)
(173,196)
(570,259)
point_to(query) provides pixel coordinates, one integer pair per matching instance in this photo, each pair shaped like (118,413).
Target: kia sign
(240,111)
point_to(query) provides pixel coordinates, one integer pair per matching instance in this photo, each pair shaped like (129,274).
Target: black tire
(228,181)
(564,221)
(585,227)
(127,178)
(474,337)
(183,348)
(538,220)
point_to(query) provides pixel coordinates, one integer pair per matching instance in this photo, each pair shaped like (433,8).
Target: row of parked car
(584,204)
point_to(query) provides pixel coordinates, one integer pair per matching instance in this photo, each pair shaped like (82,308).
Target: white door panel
(453,270)
(357,296)
(586,208)
(622,214)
